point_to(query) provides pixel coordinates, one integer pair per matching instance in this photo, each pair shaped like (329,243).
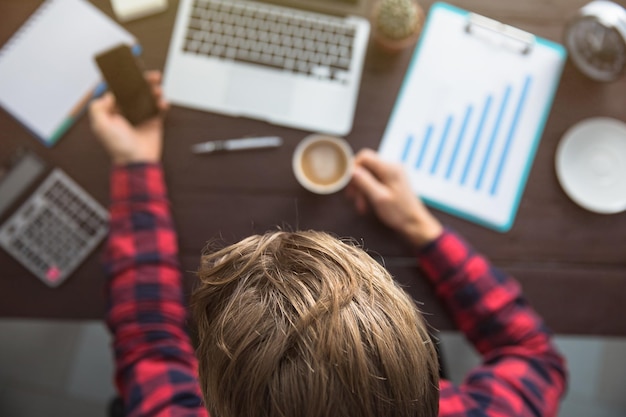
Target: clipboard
(471,112)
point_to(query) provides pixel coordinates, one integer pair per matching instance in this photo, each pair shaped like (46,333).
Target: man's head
(301,324)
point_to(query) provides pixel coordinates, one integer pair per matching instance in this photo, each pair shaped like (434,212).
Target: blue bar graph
(477,136)
(442,144)
(494,135)
(509,138)
(459,143)
(407,148)
(427,135)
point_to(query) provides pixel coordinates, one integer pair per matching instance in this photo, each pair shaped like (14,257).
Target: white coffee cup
(323,164)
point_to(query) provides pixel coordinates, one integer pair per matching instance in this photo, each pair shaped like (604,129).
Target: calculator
(55,227)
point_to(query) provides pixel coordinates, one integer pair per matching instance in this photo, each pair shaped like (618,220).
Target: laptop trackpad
(259,93)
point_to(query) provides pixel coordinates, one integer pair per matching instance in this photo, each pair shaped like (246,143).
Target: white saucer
(591,164)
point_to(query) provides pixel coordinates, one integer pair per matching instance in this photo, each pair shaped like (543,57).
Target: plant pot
(394,45)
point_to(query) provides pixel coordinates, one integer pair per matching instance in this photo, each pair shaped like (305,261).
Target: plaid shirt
(522,374)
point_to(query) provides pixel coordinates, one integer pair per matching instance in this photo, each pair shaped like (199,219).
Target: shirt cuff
(138,182)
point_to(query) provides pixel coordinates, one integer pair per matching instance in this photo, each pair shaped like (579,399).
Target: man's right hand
(385,188)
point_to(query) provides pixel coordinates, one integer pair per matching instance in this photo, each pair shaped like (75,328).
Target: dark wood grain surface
(571,263)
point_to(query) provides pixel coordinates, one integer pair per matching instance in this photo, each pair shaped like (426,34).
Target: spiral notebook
(471,112)
(47,68)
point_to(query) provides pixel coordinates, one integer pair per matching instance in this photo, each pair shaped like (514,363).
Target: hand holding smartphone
(125,79)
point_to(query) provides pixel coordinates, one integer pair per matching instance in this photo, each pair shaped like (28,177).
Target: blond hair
(301,324)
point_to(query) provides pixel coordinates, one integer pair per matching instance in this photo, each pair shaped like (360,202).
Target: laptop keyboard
(285,39)
(55,229)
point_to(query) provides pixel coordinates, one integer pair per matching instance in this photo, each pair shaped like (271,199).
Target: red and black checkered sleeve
(156,370)
(522,373)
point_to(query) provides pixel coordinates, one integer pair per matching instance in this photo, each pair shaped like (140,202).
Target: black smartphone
(126,81)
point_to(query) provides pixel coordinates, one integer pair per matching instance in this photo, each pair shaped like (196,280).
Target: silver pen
(237,144)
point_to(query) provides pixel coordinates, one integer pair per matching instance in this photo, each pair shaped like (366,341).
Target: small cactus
(398,19)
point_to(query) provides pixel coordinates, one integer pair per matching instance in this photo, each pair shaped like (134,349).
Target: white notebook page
(47,68)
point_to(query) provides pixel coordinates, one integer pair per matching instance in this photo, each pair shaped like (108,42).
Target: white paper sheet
(47,68)
(469,117)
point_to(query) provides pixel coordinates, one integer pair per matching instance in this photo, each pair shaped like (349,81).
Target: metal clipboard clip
(500,34)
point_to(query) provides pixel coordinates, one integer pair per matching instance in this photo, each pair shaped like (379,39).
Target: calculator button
(53,274)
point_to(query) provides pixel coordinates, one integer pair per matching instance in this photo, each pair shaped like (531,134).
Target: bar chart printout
(467,122)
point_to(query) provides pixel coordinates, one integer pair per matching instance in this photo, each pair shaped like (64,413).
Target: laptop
(48,223)
(296,64)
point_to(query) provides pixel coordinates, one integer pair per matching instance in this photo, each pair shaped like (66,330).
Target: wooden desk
(571,263)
